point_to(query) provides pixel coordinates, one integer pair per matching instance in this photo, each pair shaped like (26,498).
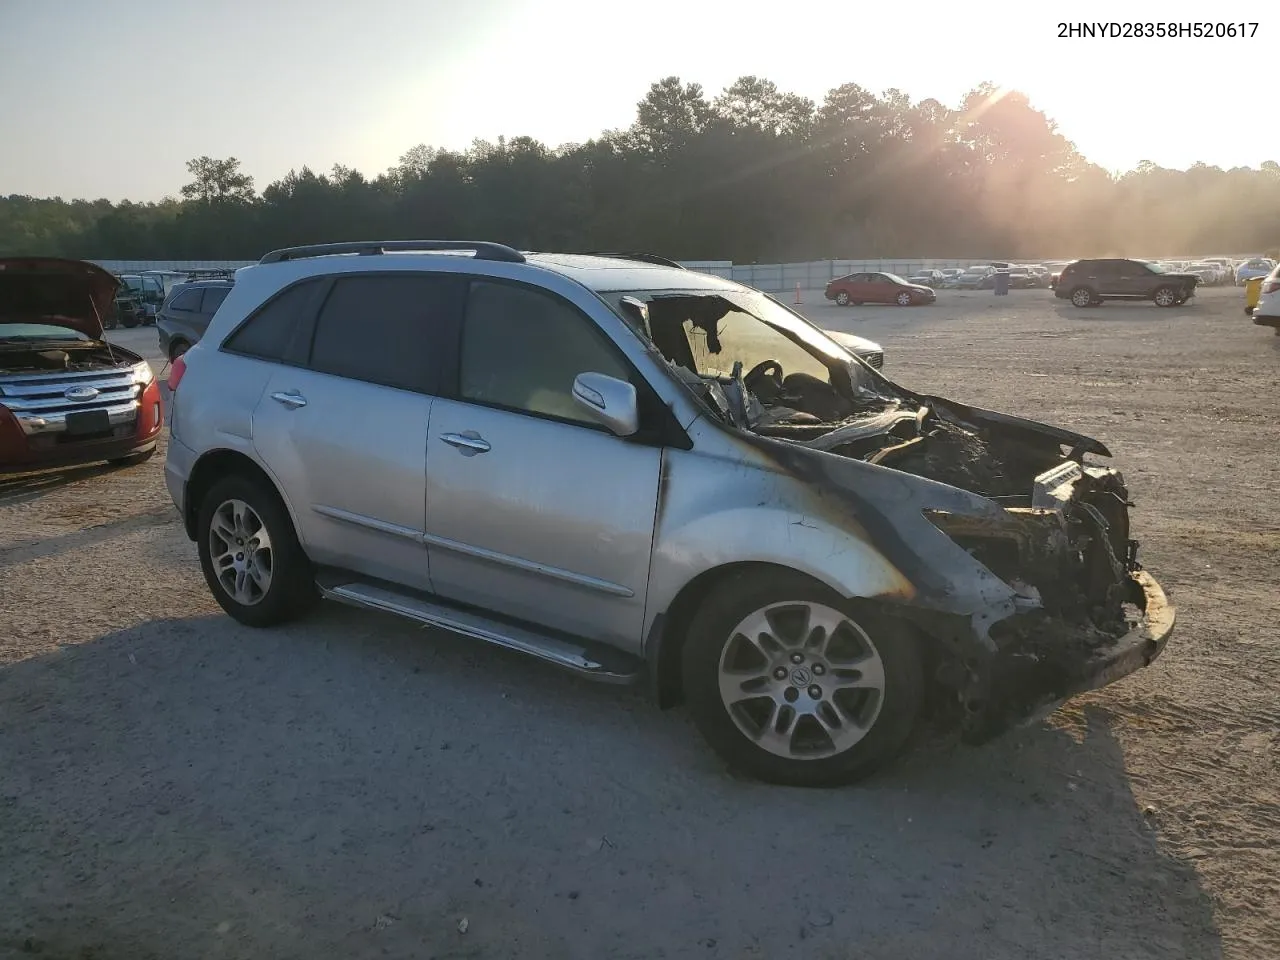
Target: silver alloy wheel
(1165,297)
(801,680)
(1082,297)
(842,298)
(904,299)
(240,551)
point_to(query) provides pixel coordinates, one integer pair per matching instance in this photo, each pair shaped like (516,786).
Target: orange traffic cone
(799,300)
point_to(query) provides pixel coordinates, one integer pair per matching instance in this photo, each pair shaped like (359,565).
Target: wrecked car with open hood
(635,471)
(67,395)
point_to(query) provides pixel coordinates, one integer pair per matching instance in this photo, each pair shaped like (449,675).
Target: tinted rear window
(213,297)
(269,332)
(385,329)
(186,300)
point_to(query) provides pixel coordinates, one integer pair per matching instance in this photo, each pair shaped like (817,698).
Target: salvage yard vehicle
(641,473)
(186,313)
(1087,283)
(866,350)
(1266,311)
(148,288)
(878,287)
(976,278)
(66,395)
(1257,267)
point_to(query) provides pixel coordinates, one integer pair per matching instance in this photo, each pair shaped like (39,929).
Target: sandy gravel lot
(175,785)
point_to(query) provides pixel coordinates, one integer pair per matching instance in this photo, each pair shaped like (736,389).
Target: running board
(595,661)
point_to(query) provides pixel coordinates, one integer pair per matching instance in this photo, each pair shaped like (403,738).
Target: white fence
(772,277)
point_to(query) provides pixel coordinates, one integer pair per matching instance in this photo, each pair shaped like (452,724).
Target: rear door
(533,510)
(344,429)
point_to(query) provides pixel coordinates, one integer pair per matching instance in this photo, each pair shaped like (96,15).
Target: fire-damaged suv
(67,396)
(638,472)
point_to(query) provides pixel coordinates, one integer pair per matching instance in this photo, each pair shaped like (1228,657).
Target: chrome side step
(595,662)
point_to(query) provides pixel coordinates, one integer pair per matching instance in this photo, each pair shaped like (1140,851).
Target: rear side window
(186,300)
(213,297)
(269,333)
(385,329)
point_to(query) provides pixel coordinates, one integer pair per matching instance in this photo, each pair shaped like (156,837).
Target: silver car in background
(644,474)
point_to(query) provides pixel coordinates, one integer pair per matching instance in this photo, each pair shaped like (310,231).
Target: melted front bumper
(1028,686)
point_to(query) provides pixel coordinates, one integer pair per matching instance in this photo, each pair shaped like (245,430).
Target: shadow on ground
(25,487)
(353,786)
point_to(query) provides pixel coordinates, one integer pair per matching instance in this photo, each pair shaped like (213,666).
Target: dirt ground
(175,785)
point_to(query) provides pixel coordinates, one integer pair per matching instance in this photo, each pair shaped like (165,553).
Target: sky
(110,98)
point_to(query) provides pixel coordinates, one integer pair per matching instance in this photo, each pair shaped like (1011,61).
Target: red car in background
(66,395)
(859,288)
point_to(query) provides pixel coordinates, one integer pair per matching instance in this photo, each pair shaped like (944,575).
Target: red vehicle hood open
(65,293)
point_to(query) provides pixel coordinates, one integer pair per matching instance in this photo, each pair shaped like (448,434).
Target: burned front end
(1086,613)
(1009,549)
(1044,597)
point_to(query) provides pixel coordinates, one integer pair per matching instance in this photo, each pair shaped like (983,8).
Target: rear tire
(821,695)
(269,580)
(1082,297)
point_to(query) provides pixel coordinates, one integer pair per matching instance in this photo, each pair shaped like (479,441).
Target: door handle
(292,400)
(468,444)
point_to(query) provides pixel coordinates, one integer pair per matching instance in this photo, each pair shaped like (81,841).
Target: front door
(534,511)
(1130,278)
(880,288)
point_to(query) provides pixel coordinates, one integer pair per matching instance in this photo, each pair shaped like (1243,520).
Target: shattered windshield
(708,333)
(742,351)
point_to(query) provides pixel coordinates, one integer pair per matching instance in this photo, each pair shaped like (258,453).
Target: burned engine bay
(1063,547)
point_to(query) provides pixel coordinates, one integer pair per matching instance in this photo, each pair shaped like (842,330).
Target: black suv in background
(186,313)
(1087,283)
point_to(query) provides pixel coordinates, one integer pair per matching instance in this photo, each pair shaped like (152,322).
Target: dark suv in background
(186,314)
(1087,283)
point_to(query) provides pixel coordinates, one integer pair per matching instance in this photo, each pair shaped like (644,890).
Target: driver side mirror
(608,401)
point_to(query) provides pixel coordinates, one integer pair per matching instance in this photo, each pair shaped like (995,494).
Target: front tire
(903,299)
(790,686)
(1165,297)
(842,298)
(1082,297)
(250,554)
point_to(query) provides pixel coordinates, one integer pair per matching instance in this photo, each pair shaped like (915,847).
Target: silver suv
(642,473)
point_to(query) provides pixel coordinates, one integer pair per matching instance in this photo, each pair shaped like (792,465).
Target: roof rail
(483,249)
(643,258)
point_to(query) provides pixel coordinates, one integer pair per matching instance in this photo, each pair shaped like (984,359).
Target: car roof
(597,272)
(606,274)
